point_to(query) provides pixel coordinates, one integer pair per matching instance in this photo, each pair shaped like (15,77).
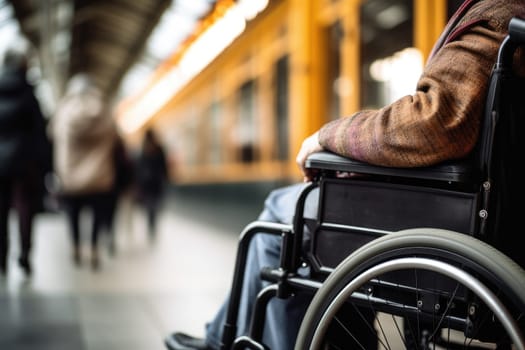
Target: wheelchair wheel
(427,289)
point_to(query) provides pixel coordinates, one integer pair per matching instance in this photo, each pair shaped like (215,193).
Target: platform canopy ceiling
(104,38)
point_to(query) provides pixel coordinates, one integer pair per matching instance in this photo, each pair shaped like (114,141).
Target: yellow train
(236,101)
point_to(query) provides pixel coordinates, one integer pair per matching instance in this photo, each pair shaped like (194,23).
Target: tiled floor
(139,296)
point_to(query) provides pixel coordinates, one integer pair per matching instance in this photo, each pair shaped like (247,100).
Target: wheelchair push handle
(517,29)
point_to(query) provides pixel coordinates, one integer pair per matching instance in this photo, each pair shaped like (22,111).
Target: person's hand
(310,145)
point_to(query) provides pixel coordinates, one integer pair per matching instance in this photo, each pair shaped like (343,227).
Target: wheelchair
(433,253)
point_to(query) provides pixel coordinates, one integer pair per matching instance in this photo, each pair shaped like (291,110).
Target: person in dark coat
(151,172)
(24,155)
(124,177)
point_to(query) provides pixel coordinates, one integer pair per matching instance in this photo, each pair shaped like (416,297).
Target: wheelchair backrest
(500,146)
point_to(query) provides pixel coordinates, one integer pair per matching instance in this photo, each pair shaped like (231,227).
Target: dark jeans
(102,207)
(17,194)
(150,198)
(283,316)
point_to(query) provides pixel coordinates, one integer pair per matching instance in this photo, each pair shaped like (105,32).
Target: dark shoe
(25,265)
(181,341)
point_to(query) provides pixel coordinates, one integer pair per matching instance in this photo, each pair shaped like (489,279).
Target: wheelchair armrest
(453,171)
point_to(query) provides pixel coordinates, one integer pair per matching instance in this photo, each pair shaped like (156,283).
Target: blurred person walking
(25,153)
(151,177)
(122,188)
(85,136)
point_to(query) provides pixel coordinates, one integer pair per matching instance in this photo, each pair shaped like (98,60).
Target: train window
(215,144)
(334,35)
(281,107)
(246,128)
(190,132)
(386,31)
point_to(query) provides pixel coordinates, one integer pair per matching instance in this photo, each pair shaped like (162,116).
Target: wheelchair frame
(443,228)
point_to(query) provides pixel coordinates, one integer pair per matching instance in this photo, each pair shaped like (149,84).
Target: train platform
(142,293)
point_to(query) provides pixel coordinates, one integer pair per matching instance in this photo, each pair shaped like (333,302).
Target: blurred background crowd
(174,111)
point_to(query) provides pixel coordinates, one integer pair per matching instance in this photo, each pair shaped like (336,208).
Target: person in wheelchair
(439,122)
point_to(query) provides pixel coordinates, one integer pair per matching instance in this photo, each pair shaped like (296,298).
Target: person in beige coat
(84,136)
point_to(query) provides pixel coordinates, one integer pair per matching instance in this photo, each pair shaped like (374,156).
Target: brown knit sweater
(441,120)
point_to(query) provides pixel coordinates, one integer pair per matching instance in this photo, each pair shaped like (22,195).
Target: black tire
(479,271)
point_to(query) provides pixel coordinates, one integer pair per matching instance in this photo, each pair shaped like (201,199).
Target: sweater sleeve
(439,121)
